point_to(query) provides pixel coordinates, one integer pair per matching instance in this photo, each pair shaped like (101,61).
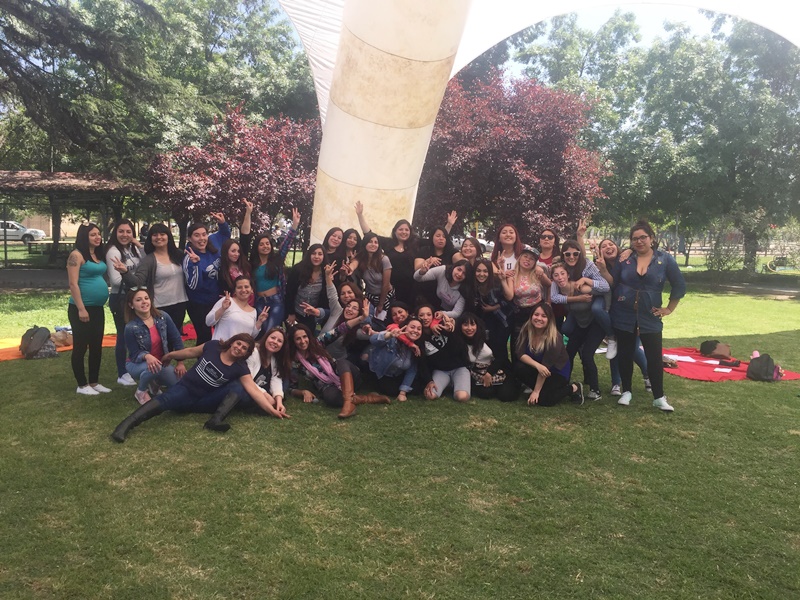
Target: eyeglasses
(571,254)
(640,238)
(547,237)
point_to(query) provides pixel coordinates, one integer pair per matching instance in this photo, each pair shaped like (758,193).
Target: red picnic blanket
(693,365)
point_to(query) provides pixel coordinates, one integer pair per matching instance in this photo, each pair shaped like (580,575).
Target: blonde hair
(528,338)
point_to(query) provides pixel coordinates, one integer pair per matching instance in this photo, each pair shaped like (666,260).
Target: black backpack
(34,340)
(762,368)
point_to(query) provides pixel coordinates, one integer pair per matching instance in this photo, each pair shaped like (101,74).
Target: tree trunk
(55,218)
(750,250)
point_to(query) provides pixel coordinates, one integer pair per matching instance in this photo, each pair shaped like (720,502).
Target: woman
(543,364)
(333,249)
(205,385)
(490,378)
(233,314)
(444,357)
(637,305)
(161,272)
(452,285)
(335,381)
(470,251)
(338,339)
(548,252)
(606,260)
(122,248)
(233,261)
(269,365)
(305,288)
(437,252)
(493,308)
(266,265)
(401,249)
(375,268)
(201,270)
(88,294)
(507,248)
(523,288)
(149,335)
(392,363)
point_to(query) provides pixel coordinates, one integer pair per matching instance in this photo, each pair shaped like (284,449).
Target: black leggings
(197,313)
(176,312)
(554,390)
(116,305)
(87,336)
(626,347)
(332,395)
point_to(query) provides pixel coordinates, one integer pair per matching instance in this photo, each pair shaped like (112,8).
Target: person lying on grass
(205,387)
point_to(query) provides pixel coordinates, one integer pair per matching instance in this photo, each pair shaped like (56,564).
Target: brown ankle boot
(348,394)
(374,398)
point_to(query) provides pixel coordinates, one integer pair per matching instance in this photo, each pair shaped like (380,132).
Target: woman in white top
(453,285)
(233,314)
(122,248)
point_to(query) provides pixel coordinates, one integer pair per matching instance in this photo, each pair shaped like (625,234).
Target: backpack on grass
(763,368)
(36,343)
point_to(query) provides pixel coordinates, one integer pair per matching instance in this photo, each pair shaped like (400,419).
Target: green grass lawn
(415,500)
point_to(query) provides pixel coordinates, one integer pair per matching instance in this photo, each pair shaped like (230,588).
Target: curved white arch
(380,69)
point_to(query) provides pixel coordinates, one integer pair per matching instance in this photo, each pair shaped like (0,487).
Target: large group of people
(364,318)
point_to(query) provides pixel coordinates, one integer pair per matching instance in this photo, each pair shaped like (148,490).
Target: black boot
(215,423)
(140,415)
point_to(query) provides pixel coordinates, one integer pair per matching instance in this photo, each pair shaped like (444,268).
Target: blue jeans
(166,376)
(638,358)
(181,398)
(276,310)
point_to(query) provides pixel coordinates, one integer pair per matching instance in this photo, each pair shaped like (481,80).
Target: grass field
(416,500)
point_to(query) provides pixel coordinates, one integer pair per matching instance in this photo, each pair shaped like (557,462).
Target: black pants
(518,320)
(584,341)
(332,395)
(197,313)
(116,302)
(508,391)
(554,390)
(87,336)
(653,348)
(176,312)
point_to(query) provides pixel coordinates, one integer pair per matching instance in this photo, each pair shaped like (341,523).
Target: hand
(487,380)
(543,371)
(601,263)
(359,208)
(226,302)
(291,319)
(625,254)
(218,217)
(330,271)
(415,351)
(661,312)
(581,231)
(120,266)
(248,206)
(180,369)
(192,256)
(263,316)
(533,398)
(539,271)
(153,364)
(433,261)
(431,391)
(309,310)
(367,330)
(365,307)
(396,333)
(308,397)
(584,297)
(295,219)
(83,315)
(452,216)
(436,328)
(167,358)
(347,269)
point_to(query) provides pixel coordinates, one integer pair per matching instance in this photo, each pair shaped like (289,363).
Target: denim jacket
(137,337)
(390,357)
(635,295)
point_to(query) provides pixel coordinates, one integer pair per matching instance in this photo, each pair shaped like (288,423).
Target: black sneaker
(577,395)
(593,395)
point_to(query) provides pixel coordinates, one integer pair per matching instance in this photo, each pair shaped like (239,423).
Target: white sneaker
(126,379)
(625,399)
(661,403)
(611,348)
(616,390)
(100,388)
(87,390)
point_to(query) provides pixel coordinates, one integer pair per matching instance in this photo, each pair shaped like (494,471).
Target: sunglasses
(571,254)
(547,237)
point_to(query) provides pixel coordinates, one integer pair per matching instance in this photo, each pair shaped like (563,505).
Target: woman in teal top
(89,293)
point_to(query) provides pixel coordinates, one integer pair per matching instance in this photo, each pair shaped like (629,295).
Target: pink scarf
(329,377)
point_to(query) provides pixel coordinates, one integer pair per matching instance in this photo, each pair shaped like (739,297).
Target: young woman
(543,364)
(269,365)
(507,247)
(205,385)
(149,335)
(493,308)
(334,381)
(548,252)
(470,251)
(375,268)
(523,288)
(392,363)
(305,288)
(266,265)
(201,270)
(401,249)
(437,252)
(233,261)
(444,357)
(490,377)
(161,272)
(341,337)
(606,261)
(352,244)
(638,288)
(122,248)
(233,314)
(332,246)
(88,294)
(452,284)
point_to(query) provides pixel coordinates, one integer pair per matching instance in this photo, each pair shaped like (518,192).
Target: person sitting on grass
(206,385)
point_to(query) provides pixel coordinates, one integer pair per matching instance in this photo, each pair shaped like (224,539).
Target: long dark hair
(489,285)
(175,255)
(304,268)
(194,227)
(225,264)
(498,247)
(82,243)
(479,339)
(282,358)
(365,261)
(350,335)
(556,241)
(448,249)
(347,233)
(464,287)
(244,337)
(575,272)
(330,254)
(315,349)
(113,241)
(274,261)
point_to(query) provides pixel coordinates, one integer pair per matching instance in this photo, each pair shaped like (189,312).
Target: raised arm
(362,220)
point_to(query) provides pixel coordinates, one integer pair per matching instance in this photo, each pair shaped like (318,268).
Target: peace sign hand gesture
(192,256)
(226,302)
(120,266)
(295,218)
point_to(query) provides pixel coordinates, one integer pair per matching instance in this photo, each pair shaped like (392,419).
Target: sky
(650,18)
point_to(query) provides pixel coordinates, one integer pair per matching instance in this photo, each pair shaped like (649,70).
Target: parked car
(16,232)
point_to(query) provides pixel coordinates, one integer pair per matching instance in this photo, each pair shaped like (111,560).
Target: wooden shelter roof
(45,182)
